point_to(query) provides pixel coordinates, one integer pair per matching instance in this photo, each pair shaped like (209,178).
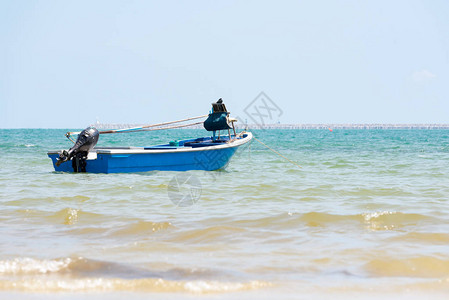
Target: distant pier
(348,126)
(299,126)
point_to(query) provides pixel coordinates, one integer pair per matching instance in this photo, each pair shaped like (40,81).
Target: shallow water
(365,216)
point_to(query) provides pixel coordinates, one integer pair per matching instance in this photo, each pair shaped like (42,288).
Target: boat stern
(67,166)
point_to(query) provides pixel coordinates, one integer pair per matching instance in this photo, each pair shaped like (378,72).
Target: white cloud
(423,76)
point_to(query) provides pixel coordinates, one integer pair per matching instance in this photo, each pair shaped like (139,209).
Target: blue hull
(198,156)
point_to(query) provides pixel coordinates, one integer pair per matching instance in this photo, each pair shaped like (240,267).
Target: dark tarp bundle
(218,119)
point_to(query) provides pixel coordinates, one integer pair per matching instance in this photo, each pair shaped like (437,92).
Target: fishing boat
(203,153)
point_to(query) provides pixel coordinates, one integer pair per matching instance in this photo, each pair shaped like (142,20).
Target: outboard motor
(87,139)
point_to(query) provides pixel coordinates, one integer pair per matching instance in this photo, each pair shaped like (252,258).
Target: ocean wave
(207,234)
(421,266)
(388,220)
(435,238)
(12,145)
(32,266)
(71,216)
(66,216)
(81,275)
(140,285)
(141,227)
(381,220)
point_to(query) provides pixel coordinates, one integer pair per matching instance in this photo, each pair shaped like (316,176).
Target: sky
(68,64)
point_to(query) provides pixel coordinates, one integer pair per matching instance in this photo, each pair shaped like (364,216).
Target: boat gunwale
(149,150)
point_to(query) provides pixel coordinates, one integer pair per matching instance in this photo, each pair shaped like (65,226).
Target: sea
(297,214)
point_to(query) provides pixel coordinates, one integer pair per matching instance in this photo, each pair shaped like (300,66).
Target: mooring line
(276,152)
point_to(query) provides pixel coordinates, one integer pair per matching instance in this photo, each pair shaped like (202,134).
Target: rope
(276,152)
(153,125)
(162,128)
(143,128)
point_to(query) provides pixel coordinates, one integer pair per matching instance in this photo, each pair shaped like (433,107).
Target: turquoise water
(367,215)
